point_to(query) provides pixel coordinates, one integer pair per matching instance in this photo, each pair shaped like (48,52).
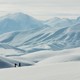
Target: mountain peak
(55,19)
(52,20)
(18,15)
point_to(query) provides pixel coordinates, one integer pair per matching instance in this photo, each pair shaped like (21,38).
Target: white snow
(6,62)
(38,56)
(58,71)
(46,69)
(6,49)
(62,56)
(8,52)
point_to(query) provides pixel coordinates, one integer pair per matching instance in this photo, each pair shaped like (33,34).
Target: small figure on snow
(15,65)
(19,64)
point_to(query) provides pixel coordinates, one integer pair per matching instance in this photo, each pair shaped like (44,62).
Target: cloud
(42,8)
(44,2)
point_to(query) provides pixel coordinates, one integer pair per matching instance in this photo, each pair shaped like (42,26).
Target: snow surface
(6,49)
(47,68)
(6,62)
(62,56)
(38,56)
(42,57)
(58,71)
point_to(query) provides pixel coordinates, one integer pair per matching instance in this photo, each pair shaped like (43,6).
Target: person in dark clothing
(19,64)
(15,64)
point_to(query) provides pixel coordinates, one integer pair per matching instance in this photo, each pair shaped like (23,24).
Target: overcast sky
(42,9)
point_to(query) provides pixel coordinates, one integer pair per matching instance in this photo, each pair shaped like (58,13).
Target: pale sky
(42,9)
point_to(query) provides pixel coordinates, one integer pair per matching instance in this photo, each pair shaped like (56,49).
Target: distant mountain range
(30,35)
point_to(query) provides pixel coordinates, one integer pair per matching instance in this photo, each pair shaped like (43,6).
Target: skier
(15,64)
(19,64)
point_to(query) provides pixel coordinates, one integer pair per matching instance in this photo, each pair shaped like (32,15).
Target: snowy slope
(6,62)
(45,57)
(44,39)
(49,56)
(23,37)
(62,56)
(8,50)
(38,56)
(59,71)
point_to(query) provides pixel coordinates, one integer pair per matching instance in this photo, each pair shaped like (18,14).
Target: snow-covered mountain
(44,39)
(65,35)
(58,23)
(18,21)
